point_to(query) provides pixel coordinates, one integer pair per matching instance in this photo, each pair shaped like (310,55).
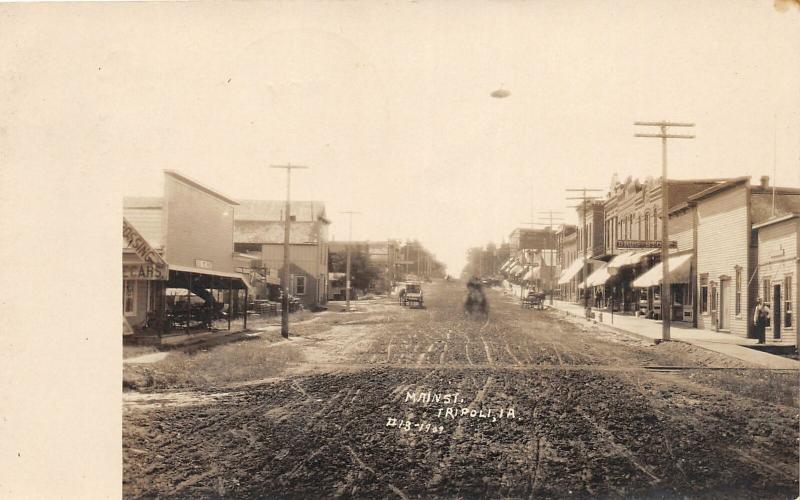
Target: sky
(389,104)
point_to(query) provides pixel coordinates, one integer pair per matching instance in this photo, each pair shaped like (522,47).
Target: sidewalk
(723,343)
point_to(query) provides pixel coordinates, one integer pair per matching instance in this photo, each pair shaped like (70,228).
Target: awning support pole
(246,301)
(230,302)
(189,303)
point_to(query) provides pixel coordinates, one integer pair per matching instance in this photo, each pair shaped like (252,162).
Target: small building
(259,230)
(779,274)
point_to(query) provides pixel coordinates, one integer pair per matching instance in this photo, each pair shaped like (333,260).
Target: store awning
(630,258)
(570,272)
(678,272)
(597,278)
(532,274)
(200,274)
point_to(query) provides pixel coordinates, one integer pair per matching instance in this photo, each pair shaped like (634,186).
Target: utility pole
(349,242)
(549,224)
(552,244)
(286,259)
(585,200)
(666,292)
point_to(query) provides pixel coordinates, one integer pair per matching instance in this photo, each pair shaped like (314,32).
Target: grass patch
(239,362)
(132,351)
(771,386)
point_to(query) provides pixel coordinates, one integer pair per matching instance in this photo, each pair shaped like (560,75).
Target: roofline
(719,188)
(776,220)
(197,185)
(778,190)
(677,208)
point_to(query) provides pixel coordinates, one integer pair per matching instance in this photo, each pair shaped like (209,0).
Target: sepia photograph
(406,249)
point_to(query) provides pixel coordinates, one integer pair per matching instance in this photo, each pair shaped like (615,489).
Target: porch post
(189,303)
(245,307)
(230,301)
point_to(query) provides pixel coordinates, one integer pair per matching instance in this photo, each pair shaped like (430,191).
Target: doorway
(776,313)
(724,320)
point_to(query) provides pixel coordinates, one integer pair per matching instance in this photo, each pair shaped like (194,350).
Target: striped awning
(597,278)
(570,272)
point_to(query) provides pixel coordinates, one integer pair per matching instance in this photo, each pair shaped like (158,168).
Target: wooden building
(186,238)
(259,230)
(779,274)
(727,250)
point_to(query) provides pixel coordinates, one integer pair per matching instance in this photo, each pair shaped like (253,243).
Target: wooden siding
(723,243)
(681,230)
(148,221)
(777,260)
(310,261)
(199,226)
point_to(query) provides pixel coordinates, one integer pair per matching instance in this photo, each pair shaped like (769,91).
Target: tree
(362,272)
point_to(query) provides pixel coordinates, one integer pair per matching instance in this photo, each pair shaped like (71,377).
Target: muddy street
(425,403)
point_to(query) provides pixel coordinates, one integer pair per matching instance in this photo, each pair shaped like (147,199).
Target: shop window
(639,227)
(787,304)
(738,291)
(655,223)
(129,298)
(704,293)
(299,285)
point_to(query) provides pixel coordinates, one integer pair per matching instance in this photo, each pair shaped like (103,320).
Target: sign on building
(203,264)
(153,266)
(644,244)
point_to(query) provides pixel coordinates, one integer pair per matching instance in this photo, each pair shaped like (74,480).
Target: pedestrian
(760,320)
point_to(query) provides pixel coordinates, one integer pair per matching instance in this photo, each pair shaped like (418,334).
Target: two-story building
(566,254)
(632,234)
(259,231)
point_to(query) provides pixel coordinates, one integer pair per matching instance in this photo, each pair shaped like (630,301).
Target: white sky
(389,103)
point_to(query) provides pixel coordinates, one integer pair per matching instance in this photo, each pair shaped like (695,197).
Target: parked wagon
(534,300)
(413,295)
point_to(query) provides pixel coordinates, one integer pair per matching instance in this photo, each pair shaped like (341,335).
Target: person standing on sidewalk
(760,319)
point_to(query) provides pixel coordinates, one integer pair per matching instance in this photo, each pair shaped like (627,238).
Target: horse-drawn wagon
(533,300)
(413,295)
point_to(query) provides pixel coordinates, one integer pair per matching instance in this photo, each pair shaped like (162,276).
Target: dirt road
(391,402)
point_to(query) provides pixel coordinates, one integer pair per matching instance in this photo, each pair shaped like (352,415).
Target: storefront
(681,289)
(144,273)
(779,275)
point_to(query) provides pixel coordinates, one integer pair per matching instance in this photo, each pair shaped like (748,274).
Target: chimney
(765,181)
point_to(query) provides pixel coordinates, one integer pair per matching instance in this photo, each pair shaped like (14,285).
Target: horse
(475,304)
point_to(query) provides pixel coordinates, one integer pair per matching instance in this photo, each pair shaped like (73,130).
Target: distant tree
(362,272)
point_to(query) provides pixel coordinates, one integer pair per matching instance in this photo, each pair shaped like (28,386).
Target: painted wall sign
(644,244)
(145,271)
(139,244)
(153,268)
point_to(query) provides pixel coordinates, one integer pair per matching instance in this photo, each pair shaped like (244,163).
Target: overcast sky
(389,103)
